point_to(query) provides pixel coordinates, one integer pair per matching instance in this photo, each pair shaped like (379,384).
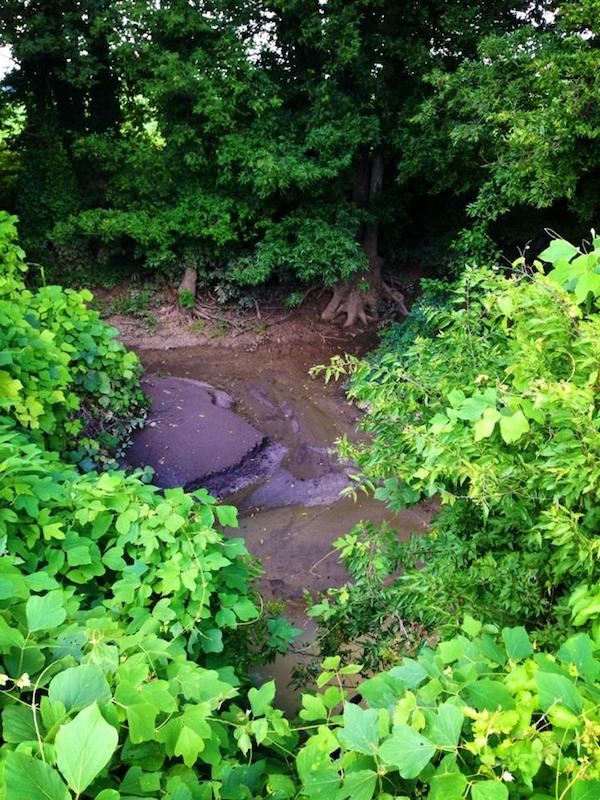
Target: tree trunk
(188,282)
(359,300)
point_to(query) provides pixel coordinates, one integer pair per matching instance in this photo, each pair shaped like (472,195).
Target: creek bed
(290,519)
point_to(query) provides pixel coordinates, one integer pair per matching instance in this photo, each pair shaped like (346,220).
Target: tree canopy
(295,139)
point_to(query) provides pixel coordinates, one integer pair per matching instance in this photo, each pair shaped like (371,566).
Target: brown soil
(269,323)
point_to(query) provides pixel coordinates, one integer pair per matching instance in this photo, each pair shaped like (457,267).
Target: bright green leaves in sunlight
(84,747)
(26,778)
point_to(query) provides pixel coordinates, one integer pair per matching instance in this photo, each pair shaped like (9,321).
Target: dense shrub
(496,414)
(64,377)
(114,715)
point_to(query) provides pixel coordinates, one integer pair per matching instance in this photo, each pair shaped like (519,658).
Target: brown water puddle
(273,391)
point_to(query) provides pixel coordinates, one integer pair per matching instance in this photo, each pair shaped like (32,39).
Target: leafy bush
(497,415)
(64,377)
(117,713)
(122,611)
(110,714)
(123,545)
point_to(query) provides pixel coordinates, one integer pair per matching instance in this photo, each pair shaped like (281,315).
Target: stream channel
(290,514)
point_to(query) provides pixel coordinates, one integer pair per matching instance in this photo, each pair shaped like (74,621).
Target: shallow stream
(291,520)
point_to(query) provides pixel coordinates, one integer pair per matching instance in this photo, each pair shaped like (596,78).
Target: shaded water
(291,520)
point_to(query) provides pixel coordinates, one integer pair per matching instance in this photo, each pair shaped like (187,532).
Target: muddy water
(290,521)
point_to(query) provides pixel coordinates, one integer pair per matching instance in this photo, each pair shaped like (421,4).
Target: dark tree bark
(359,300)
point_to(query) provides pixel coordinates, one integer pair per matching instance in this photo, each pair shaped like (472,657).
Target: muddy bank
(292,514)
(291,511)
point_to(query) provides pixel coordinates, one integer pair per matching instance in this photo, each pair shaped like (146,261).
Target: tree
(517,124)
(349,75)
(66,84)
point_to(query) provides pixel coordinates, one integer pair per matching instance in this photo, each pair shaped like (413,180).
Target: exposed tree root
(360,305)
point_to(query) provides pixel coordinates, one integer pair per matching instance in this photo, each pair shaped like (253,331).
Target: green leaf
(227,516)
(316,770)
(446,726)
(408,751)
(517,643)
(485,426)
(314,708)
(28,778)
(489,790)
(579,650)
(80,686)
(189,745)
(513,427)
(261,699)
(410,672)
(489,695)
(18,724)
(45,612)
(108,794)
(211,641)
(141,718)
(557,690)
(471,627)
(586,790)
(84,747)
(448,782)
(361,729)
(558,250)
(9,637)
(358,785)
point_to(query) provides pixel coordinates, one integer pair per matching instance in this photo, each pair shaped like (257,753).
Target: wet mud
(290,508)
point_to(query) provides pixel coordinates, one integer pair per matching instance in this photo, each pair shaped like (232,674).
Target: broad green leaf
(446,726)
(557,690)
(316,770)
(471,627)
(410,672)
(579,650)
(17,724)
(358,785)
(517,643)
(361,729)
(586,790)
(84,747)
(189,745)
(281,787)
(141,718)
(558,250)
(314,708)
(45,612)
(505,304)
(448,782)
(211,641)
(28,778)
(485,426)
(489,790)
(227,516)
(474,406)
(80,686)
(489,695)
(261,699)
(408,751)
(513,427)
(9,637)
